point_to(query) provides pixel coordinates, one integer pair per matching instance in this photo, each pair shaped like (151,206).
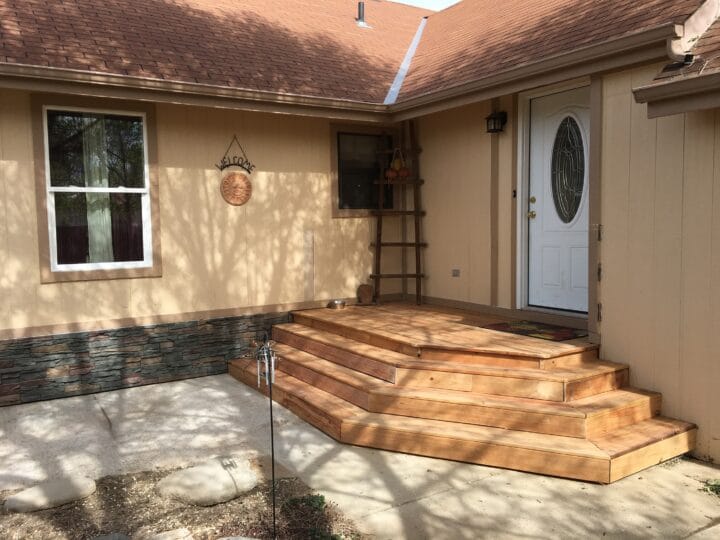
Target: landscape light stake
(265,356)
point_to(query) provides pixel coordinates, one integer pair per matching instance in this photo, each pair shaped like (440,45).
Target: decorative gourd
(391,174)
(404,172)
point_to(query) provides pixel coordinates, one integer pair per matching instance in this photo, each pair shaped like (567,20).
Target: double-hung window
(98,189)
(360,156)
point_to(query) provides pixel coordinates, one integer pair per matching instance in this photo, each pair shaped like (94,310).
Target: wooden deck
(433,382)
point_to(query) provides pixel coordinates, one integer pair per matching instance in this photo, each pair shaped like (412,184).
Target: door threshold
(558,312)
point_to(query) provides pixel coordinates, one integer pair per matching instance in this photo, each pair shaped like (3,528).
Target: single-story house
(177,176)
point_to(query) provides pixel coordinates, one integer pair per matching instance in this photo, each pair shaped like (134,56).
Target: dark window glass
(361,163)
(95,150)
(117,235)
(568,169)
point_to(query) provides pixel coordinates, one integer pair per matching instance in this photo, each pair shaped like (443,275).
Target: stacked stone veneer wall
(55,366)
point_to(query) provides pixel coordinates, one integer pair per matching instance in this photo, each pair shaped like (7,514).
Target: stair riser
(481,453)
(482,359)
(485,359)
(601,424)
(323,382)
(591,386)
(510,386)
(552,424)
(660,441)
(653,454)
(480,415)
(357,335)
(342,357)
(433,410)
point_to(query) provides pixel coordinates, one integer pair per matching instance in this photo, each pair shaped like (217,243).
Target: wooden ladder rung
(403,182)
(402,244)
(408,151)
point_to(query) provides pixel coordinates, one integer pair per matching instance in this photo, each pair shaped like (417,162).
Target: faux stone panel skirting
(48,367)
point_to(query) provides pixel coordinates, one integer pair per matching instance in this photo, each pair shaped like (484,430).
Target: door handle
(531,214)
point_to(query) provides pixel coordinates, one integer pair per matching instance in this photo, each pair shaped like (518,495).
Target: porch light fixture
(496,121)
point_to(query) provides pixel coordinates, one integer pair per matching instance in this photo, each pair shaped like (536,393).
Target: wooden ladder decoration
(413,181)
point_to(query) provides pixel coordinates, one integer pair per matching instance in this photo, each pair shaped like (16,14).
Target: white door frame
(523,183)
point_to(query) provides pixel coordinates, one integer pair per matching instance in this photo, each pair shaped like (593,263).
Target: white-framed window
(98,189)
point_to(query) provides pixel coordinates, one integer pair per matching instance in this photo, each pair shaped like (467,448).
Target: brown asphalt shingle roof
(314,47)
(477,38)
(308,47)
(707,58)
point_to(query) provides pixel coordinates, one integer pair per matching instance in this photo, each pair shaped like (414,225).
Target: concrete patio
(388,495)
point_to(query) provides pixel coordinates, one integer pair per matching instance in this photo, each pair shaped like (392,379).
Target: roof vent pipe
(361,16)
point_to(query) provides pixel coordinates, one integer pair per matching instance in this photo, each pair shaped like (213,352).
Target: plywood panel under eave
(712,424)
(4,282)
(189,139)
(640,230)
(617,112)
(20,266)
(698,354)
(667,261)
(455,164)
(506,184)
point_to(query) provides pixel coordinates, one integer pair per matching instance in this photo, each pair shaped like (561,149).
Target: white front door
(557,205)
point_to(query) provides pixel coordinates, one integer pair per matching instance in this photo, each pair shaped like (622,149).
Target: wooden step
(642,445)
(562,384)
(340,381)
(594,415)
(359,356)
(400,182)
(324,411)
(453,342)
(586,418)
(606,459)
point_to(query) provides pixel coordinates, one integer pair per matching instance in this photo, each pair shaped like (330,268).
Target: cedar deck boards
(440,335)
(430,382)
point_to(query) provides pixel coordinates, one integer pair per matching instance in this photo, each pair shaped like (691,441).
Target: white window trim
(50,191)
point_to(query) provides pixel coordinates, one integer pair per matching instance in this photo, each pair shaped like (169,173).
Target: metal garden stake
(266,359)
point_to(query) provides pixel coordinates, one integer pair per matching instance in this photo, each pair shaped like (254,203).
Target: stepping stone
(50,494)
(216,481)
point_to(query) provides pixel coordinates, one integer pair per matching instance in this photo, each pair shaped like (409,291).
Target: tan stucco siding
(282,247)
(661,253)
(456,166)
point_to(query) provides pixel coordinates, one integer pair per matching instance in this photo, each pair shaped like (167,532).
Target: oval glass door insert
(568,169)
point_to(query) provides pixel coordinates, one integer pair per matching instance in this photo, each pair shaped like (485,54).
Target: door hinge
(599,272)
(599,312)
(599,230)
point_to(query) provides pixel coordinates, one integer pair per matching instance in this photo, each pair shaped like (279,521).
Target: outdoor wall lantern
(496,121)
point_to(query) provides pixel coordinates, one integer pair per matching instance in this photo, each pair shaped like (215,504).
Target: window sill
(48,276)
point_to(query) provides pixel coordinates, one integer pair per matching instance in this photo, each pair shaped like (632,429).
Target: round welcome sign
(236,188)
